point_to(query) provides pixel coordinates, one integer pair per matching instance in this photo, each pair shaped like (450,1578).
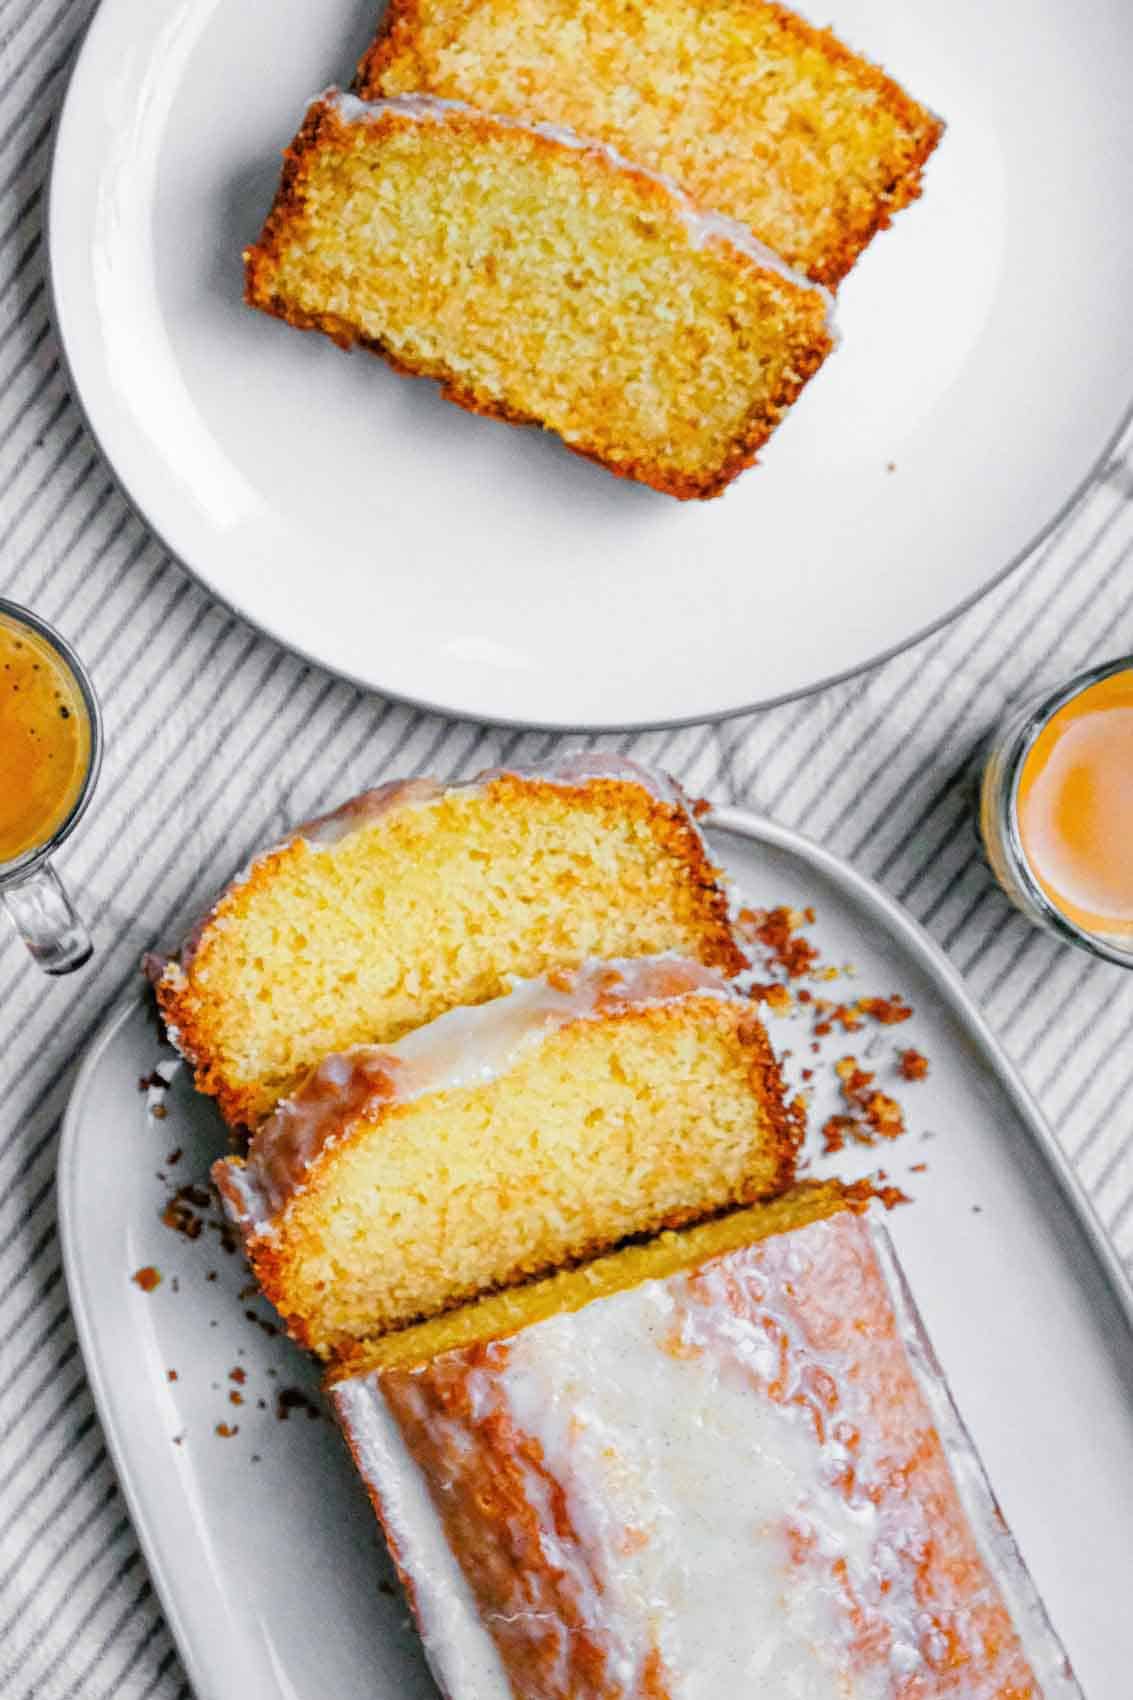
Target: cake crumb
(159,1080)
(227,1430)
(171,1375)
(836,1131)
(182,1211)
(911,1065)
(147,1278)
(888,1011)
(777,930)
(290,1399)
(882,1114)
(892,1196)
(870,1114)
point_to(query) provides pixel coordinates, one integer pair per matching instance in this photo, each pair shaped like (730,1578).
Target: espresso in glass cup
(50,751)
(1056,810)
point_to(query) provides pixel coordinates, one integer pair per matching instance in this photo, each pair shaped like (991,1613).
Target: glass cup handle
(41,913)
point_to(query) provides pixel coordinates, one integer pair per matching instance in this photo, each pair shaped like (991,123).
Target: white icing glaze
(461,1653)
(643,1440)
(466,1047)
(699,1433)
(702,226)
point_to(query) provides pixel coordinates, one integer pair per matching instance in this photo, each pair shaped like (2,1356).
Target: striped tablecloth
(216,739)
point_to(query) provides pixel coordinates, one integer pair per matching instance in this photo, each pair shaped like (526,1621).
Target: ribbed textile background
(216,739)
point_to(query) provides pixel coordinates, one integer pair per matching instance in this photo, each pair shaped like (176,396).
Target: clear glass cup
(999,815)
(30,891)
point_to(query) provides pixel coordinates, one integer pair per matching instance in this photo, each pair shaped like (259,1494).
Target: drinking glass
(30,890)
(999,814)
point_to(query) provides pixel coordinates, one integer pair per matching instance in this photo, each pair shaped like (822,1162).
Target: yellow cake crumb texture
(611,1127)
(538,282)
(426,910)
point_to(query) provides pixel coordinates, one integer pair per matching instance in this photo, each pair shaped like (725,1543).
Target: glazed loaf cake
(542,279)
(505,1140)
(749,108)
(718,1466)
(418,897)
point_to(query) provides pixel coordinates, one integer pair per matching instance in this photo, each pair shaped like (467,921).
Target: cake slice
(722,1465)
(748,107)
(542,279)
(416,897)
(505,1140)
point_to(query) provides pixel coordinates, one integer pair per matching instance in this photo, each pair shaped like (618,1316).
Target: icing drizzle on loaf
(464,1048)
(746,1478)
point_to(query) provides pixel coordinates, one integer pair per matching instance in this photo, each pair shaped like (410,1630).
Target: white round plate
(985,366)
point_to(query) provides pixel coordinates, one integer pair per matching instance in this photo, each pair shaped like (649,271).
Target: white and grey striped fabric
(216,739)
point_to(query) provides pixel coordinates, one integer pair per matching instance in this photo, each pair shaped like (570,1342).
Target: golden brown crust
(676,833)
(323,126)
(270,1254)
(184,1007)
(924,127)
(786,1131)
(401,21)
(184,1004)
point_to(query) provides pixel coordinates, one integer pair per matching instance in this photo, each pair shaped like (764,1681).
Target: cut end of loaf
(541,280)
(436,901)
(672,1252)
(615,1125)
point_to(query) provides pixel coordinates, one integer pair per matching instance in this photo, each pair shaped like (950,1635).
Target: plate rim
(64,122)
(66,1163)
(742,823)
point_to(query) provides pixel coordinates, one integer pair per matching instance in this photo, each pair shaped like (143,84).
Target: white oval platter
(262,1545)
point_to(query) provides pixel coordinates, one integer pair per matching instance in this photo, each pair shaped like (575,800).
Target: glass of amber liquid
(50,751)
(1056,810)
